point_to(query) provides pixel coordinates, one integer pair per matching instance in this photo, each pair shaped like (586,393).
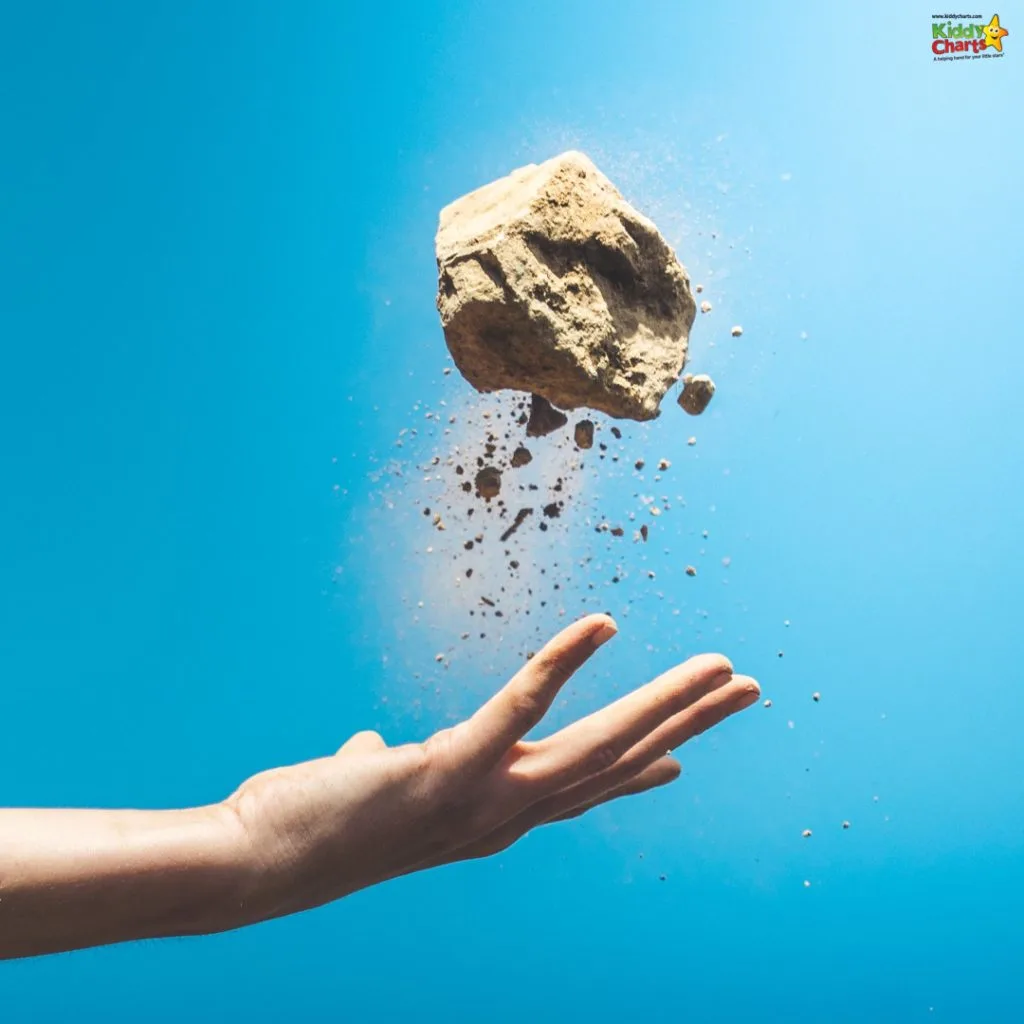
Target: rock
(521,516)
(584,434)
(664,464)
(521,457)
(544,418)
(488,482)
(550,282)
(705,306)
(737,331)
(697,393)
(691,570)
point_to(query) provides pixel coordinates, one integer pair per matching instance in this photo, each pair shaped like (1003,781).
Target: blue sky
(216,256)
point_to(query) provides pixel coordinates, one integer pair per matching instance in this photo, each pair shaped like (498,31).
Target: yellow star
(994,34)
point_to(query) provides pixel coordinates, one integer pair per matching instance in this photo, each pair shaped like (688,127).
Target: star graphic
(994,33)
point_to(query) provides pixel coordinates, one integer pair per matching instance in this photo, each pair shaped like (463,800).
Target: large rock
(550,282)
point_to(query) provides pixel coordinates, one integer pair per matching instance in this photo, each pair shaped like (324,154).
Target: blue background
(216,275)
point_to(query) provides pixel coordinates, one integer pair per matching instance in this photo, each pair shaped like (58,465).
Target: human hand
(322,829)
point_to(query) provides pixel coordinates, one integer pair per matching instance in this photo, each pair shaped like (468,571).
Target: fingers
(560,808)
(661,773)
(596,742)
(523,702)
(739,693)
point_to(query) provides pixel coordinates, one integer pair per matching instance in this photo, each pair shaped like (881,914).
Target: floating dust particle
(584,434)
(737,331)
(807,884)
(691,570)
(726,562)
(705,306)
(654,510)
(521,457)
(488,482)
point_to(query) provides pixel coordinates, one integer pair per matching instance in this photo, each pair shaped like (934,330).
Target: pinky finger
(661,773)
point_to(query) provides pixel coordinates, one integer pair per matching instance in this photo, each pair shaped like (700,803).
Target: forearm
(75,878)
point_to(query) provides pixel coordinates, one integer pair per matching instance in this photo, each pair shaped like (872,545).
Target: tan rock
(550,282)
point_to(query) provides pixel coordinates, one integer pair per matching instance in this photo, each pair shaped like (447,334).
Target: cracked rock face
(550,282)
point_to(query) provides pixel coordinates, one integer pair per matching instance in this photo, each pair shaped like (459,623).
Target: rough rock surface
(697,393)
(550,282)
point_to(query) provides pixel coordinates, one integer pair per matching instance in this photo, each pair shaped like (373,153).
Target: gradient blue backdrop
(202,209)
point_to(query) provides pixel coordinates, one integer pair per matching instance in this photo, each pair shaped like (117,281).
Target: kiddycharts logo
(966,37)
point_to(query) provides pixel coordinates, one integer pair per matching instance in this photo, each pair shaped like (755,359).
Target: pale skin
(300,836)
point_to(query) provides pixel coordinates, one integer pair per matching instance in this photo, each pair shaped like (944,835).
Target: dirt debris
(696,394)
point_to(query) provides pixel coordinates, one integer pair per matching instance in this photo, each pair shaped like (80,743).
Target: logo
(966,37)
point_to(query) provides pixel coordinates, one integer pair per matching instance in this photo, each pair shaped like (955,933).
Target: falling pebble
(726,562)
(699,288)
(661,878)
(691,570)
(705,306)
(438,657)
(846,824)
(815,696)
(807,884)
(768,703)
(655,511)
(806,833)
(781,653)
(584,434)
(692,441)
(639,464)
(447,370)
(664,464)
(737,331)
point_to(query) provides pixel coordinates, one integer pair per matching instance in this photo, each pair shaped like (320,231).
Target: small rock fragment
(664,464)
(488,482)
(544,418)
(768,703)
(691,570)
(584,434)
(521,457)
(696,394)
(519,520)
(737,331)
(705,306)
(815,697)
(846,824)
(806,833)
(639,464)
(644,532)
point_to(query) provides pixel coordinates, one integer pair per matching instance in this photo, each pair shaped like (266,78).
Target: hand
(320,830)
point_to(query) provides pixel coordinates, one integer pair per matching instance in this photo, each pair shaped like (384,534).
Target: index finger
(520,705)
